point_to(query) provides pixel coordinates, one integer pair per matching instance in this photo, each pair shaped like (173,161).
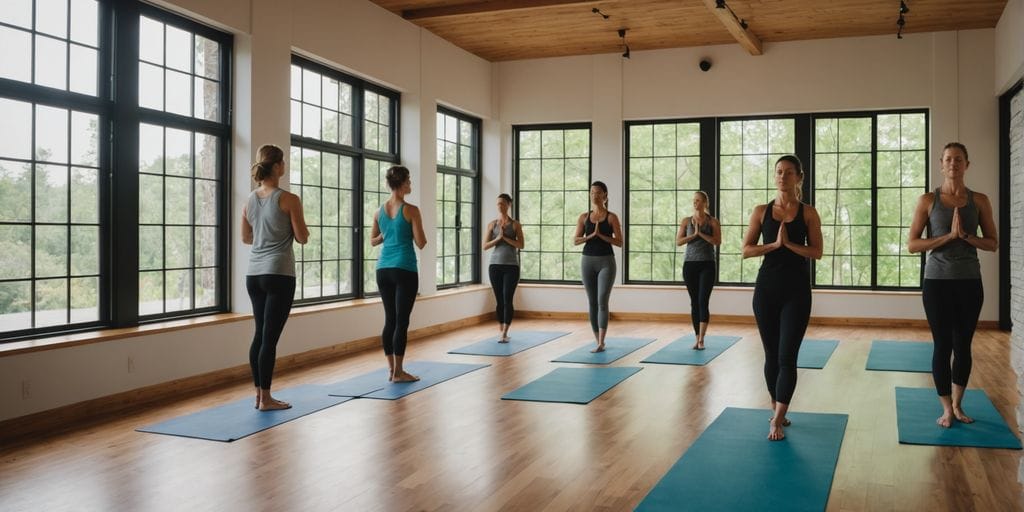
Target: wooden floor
(457,446)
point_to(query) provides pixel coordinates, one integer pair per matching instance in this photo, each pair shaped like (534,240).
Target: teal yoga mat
(375,384)
(918,408)
(732,466)
(239,419)
(900,356)
(615,349)
(815,353)
(572,385)
(518,342)
(680,351)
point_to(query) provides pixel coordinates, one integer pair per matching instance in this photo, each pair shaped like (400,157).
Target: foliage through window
(458,147)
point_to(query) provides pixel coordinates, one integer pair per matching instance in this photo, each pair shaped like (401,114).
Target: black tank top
(783,259)
(595,246)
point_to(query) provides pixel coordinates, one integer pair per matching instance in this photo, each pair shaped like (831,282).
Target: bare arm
(488,240)
(751,248)
(578,238)
(616,238)
(681,237)
(989,241)
(915,243)
(246,228)
(715,238)
(418,237)
(519,242)
(376,237)
(815,244)
(291,205)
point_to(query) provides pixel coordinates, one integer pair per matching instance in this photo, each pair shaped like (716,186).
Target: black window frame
(516,130)
(473,172)
(116,105)
(359,155)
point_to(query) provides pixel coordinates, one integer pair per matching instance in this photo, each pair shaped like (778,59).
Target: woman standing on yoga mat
(599,230)
(397,225)
(790,232)
(952,291)
(271,220)
(505,235)
(701,233)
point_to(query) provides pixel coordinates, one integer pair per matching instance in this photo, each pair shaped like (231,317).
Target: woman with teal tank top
(505,236)
(952,293)
(599,230)
(272,220)
(701,233)
(397,225)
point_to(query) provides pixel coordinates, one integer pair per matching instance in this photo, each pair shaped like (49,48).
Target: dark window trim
(516,130)
(474,174)
(358,155)
(1005,178)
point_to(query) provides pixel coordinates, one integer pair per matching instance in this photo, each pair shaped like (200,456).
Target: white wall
(357,37)
(1009,52)
(947,72)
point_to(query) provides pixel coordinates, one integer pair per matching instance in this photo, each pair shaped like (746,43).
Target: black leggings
(398,289)
(271,297)
(700,279)
(952,307)
(782,307)
(504,279)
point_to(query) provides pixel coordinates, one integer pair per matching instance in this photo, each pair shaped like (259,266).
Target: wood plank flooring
(457,446)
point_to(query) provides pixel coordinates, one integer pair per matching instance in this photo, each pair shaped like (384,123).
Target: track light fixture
(595,10)
(900,22)
(622,35)
(720,4)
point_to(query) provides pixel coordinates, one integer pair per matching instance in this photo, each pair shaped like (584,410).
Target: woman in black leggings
(271,219)
(702,233)
(397,225)
(952,291)
(790,233)
(505,236)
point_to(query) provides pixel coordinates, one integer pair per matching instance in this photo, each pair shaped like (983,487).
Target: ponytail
(269,156)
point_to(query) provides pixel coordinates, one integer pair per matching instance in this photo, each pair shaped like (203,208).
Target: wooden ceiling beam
(744,37)
(486,6)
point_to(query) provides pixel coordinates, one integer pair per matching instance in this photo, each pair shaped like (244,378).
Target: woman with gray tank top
(701,233)
(271,221)
(599,229)
(505,235)
(952,291)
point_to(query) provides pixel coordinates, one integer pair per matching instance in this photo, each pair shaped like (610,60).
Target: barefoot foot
(503,339)
(600,348)
(946,420)
(775,432)
(961,417)
(404,376)
(273,404)
(785,421)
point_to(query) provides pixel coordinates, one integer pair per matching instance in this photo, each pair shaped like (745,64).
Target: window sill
(100,336)
(652,287)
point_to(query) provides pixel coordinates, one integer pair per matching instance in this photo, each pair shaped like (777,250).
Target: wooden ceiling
(499,30)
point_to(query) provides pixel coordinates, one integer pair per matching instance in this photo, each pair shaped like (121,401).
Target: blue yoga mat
(815,353)
(680,351)
(240,419)
(518,342)
(918,408)
(732,466)
(614,349)
(572,385)
(375,384)
(900,356)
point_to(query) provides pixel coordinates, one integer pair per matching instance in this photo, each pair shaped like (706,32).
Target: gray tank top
(957,259)
(272,236)
(699,249)
(504,254)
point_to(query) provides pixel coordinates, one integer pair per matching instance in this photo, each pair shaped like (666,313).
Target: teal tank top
(397,251)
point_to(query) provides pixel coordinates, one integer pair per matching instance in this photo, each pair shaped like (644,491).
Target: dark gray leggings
(271,297)
(598,274)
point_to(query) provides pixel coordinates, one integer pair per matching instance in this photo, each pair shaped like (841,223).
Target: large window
(111,206)
(552,165)
(458,164)
(343,141)
(747,152)
(901,140)
(664,172)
